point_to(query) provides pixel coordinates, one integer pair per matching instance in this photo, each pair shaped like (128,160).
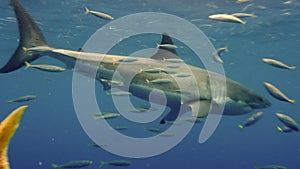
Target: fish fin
(80,50)
(241,126)
(87,10)
(200,108)
(54,165)
(171,116)
(30,36)
(174,113)
(8,128)
(164,52)
(292,101)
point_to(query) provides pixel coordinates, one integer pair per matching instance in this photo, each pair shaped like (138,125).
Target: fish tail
(30,36)
(226,48)
(148,81)
(279,128)
(87,10)
(293,67)
(157,45)
(241,126)
(243,22)
(55,165)
(27,65)
(292,101)
(253,15)
(10,101)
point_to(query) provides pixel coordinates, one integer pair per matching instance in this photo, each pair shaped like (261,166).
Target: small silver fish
(168,46)
(218,59)
(120,93)
(166,134)
(226,17)
(159,81)
(193,119)
(276,93)
(128,59)
(221,50)
(241,1)
(173,66)
(251,120)
(106,115)
(47,68)
(112,82)
(173,60)
(116,163)
(99,14)
(154,129)
(278,64)
(242,15)
(182,75)
(288,121)
(154,70)
(120,127)
(22,98)
(73,164)
(169,71)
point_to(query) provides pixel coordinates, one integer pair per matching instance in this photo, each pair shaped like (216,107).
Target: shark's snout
(260,103)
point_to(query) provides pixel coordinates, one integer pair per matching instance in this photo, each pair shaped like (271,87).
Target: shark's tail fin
(30,36)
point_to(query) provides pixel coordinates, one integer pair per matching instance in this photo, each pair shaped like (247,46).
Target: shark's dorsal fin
(165,52)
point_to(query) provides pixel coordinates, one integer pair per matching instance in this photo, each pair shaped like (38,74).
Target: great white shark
(238,100)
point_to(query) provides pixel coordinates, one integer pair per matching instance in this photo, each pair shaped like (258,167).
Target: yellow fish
(7,129)
(276,93)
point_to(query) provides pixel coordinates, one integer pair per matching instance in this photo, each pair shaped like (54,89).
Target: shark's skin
(239,99)
(8,128)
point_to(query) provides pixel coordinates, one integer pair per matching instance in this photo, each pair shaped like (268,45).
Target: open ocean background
(50,131)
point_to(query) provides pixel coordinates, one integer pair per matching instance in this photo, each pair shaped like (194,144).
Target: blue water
(51,133)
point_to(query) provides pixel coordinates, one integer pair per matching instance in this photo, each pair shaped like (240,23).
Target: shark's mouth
(239,107)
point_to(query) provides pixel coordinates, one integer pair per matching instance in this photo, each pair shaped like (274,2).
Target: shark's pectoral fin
(176,111)
(200,108)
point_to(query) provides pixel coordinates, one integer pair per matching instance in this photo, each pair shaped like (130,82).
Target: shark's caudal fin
(7,129)
(165,52)
(30,36)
